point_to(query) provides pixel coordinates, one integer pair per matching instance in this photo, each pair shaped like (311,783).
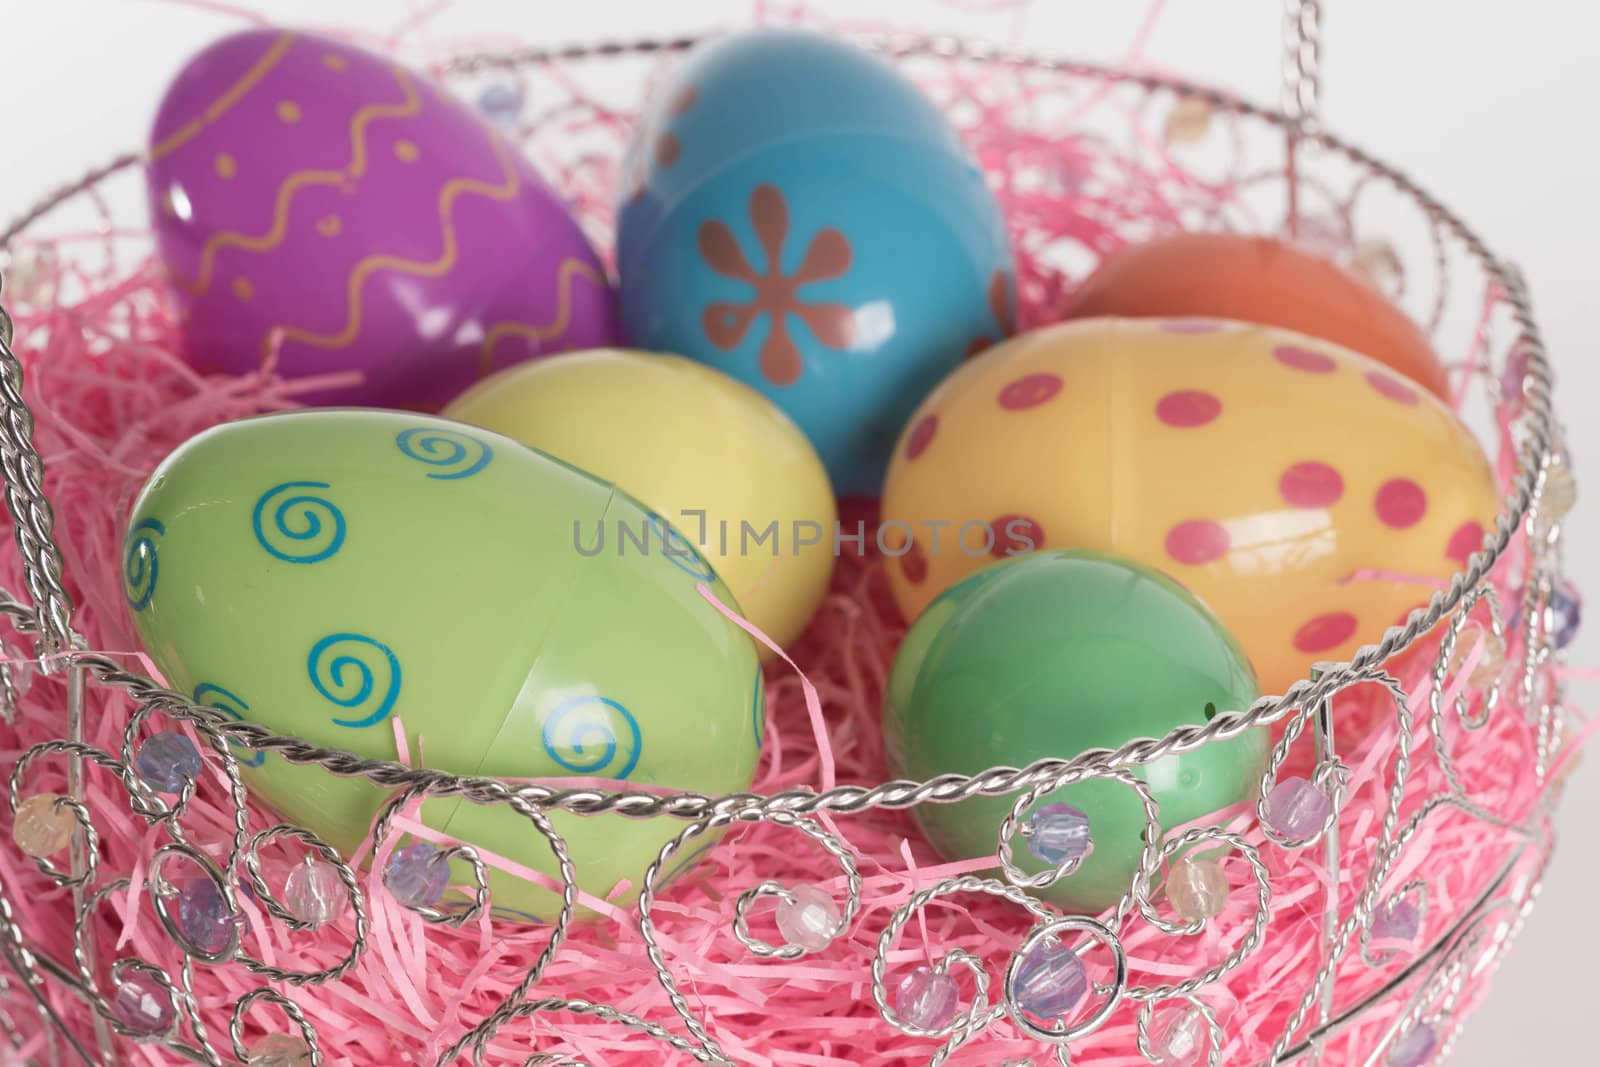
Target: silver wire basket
(1476,306)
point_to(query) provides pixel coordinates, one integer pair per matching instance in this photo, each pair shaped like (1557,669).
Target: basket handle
(1302,91)
(31,516)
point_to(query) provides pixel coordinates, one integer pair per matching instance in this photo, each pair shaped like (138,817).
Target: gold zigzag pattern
(357,166)
(422,268)
(569,269)
(219,107)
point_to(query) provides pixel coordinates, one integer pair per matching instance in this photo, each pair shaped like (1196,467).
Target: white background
(1490,103)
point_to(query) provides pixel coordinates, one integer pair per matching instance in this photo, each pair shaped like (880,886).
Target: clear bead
(34,278)
(810,919)
(278,1050)
(1491,661)
(314,893)
(1297,810)
(1056,833)
(203,915)
(1180,1037)
(1415,1047)
(927,999)
(1197,888)
(167,760)
(1051,980)
(42,828)
(417,875)
(1376,259)
(141,1006)
(1397,919)
(1189,121)
(1560,493)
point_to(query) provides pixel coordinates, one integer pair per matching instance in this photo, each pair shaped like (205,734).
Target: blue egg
(799,216)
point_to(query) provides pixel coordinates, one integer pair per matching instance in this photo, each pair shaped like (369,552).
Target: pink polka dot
(1197,541)
(1467,539)
(1389,386)
(1311,485)
(914,565)
(1188,407)
(1012,534)
(1304,359)
(921,436)
(1191,325)
(1325,632)
(1401,503)
(1029,391)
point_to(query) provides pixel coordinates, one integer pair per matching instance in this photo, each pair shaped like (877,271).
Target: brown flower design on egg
(827,256)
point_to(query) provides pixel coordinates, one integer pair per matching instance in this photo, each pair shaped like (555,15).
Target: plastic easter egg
(1308,494)
(802,218)
(1258,279)
(341,575)
(335,213)
(711,454)
(1052,655)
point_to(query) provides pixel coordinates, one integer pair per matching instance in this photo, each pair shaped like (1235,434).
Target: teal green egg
(331,574)
(1053,654)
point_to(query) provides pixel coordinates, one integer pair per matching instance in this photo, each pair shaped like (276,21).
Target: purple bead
(501,102)
(1511,379)
(203,916)
(1050,980)
(927,999)
(1297,810)
(1397,919)
(140,1005)
(417,875)
(1564,613)
(1415,1047)
(1056,833)
(167,760)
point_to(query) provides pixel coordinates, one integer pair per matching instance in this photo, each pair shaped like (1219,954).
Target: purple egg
(332,211)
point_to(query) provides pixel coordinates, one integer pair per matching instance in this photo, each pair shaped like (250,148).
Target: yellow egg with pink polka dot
(1308,494)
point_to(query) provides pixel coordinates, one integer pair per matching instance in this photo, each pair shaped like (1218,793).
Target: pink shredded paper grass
(111,397)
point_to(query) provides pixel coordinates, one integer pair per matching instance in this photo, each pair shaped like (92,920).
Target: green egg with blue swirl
(330,574)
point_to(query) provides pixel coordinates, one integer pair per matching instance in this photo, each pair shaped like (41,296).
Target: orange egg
(1306,493)
(1257,279)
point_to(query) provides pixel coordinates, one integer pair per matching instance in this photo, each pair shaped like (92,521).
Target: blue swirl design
(214,696)
(580,735)
(458,455)
(758,713)
(350,670)
(140,564)
(306,528)
(680,551)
